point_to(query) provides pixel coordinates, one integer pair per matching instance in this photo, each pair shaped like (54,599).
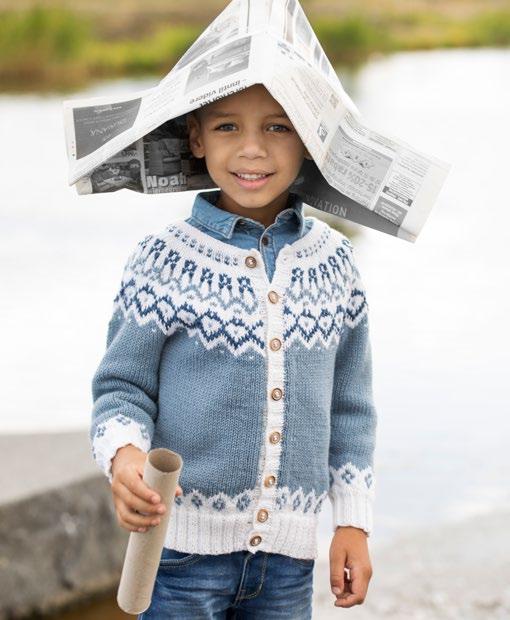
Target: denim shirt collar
(223,222)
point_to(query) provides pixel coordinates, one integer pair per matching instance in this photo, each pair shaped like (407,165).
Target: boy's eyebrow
(222,114)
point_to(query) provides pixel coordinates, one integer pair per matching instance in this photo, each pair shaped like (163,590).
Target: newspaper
(140,142)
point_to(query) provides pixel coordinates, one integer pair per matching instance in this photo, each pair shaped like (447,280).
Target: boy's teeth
(251,177)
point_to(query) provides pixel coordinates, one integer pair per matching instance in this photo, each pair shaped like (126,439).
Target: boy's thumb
(337,590)
(337,583)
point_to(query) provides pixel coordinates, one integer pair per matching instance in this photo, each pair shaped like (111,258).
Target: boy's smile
(252,151)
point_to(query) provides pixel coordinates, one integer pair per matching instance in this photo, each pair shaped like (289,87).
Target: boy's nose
(252,145)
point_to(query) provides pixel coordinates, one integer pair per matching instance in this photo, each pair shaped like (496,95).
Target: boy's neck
(266,215)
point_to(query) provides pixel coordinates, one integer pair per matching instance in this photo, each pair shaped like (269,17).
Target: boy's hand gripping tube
(143,553)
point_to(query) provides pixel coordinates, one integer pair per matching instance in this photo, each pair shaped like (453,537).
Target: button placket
(256,537)
(262,531)
(264,508)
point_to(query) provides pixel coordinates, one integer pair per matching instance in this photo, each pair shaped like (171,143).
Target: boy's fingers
(136,503)
(130,528)
(337,573)
(134,518)
(119,510)
(138,487)
(357,591)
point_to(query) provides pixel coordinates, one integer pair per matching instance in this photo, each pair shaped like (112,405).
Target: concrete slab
(34,463)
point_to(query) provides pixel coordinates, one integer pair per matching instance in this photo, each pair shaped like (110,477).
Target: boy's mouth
(252,180)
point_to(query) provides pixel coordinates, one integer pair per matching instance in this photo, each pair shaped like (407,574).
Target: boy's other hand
(349,550)
(137,505)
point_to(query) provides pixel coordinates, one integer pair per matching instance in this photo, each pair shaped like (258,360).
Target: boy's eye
(281,127)
(225,126)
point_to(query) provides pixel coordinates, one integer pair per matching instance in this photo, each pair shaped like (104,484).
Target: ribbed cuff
(116,433)
(351,508)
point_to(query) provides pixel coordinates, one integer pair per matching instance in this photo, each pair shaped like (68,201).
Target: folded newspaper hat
(141,142)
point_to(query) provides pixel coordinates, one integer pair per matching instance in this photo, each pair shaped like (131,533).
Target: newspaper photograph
(140,142)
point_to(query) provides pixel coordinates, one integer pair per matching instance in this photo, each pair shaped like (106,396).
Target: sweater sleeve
(353,415)
(125,385)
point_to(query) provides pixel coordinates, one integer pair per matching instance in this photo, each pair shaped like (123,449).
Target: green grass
(351,37)
(491,29)
(40,45)
(156,54)
(53,33)
(53,47)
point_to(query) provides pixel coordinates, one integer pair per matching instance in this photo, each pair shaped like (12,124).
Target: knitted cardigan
(263,387)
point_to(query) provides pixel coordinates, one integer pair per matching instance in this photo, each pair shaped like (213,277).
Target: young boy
(239,339)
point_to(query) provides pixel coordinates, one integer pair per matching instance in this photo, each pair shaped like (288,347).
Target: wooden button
(250,261)
(273,297)
(270,481)
(262,515)
(276,394)
(255,540)
(275,344)
(274,437)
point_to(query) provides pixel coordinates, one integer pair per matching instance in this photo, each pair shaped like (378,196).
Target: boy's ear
(195,140)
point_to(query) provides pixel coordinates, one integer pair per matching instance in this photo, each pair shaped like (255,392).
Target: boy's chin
(253,199)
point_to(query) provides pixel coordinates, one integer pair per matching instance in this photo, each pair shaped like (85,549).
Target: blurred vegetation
(49,46)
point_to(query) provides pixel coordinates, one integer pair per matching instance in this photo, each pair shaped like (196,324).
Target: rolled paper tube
(143,553)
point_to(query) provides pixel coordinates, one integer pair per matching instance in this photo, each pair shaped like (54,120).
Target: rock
(62,545)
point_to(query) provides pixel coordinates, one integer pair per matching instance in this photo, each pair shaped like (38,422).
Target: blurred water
(439,307)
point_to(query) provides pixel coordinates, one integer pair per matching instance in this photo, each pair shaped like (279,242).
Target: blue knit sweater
(253,362)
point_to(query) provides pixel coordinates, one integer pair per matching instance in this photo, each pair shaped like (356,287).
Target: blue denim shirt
(244,232)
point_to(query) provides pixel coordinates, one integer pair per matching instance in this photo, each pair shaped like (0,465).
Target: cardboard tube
(143,553)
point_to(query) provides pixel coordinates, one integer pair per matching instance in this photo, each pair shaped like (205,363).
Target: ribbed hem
(190,531)
(352,508)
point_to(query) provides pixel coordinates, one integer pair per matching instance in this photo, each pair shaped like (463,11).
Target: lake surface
(439,307)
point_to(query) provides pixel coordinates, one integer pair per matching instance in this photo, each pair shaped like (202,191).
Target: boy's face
(252,150)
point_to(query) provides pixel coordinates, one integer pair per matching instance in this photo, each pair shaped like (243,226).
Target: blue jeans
(233,585)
